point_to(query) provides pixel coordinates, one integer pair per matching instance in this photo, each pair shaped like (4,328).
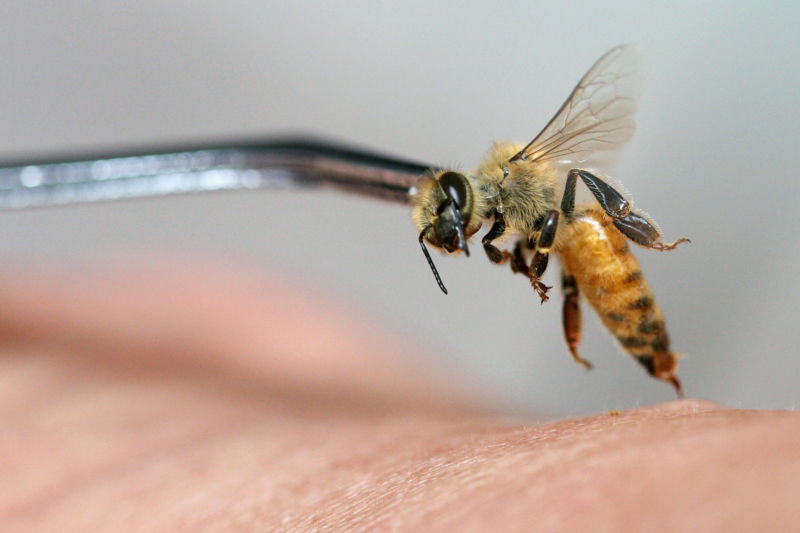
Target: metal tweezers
(271,163)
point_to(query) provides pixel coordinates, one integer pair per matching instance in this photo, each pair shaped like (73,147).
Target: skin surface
(178,398)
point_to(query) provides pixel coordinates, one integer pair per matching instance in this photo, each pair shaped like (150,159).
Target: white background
(715,157)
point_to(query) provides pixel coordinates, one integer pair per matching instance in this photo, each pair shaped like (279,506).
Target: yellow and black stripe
(597,255)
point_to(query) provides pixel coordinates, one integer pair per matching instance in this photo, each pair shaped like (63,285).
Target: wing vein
(598,114)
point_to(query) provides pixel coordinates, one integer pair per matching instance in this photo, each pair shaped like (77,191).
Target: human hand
(184,399)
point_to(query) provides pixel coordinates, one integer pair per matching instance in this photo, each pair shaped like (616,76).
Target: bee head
(442,210)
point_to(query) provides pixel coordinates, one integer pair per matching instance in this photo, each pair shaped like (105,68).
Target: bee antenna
(430,260)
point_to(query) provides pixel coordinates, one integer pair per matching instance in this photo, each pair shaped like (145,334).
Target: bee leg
(542,255)
(571,318)
(518,264)
(497,256)
(494,254)
(634,225)
(610,200)
(538,266)
(643,231)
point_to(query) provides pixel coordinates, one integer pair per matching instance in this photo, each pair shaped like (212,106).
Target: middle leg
(547,237)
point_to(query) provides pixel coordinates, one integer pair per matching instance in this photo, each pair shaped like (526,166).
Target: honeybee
(528,193)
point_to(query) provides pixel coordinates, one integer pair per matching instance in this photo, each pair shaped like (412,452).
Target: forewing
(598,115)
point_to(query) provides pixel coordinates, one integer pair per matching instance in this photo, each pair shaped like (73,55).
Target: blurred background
(715,157)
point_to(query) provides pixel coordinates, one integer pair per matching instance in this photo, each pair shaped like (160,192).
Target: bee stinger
(529,192)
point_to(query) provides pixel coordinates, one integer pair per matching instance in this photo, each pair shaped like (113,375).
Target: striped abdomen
(598,256)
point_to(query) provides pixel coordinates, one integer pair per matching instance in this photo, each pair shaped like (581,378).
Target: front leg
(540,259)
(498,257)
(494,254)
(518,263)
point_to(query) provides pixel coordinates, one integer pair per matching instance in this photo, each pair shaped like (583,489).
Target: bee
(528,194)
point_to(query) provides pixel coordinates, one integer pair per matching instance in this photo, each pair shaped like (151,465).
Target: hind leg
(644,232)
(607,196)
(571,318)
(634,225)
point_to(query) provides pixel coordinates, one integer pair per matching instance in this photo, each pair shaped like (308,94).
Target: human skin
(179,398)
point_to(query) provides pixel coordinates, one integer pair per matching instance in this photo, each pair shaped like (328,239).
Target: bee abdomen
(608,275)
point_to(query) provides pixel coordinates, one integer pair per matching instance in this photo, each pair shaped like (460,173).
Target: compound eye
(455,187)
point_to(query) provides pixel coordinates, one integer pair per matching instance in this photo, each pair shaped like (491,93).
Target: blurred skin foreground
(181,399)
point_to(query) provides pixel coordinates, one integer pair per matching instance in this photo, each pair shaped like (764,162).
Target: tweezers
(282,162)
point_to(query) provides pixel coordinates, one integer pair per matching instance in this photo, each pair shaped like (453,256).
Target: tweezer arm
(246,165)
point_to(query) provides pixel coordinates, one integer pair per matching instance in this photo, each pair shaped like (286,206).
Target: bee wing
(597,116)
